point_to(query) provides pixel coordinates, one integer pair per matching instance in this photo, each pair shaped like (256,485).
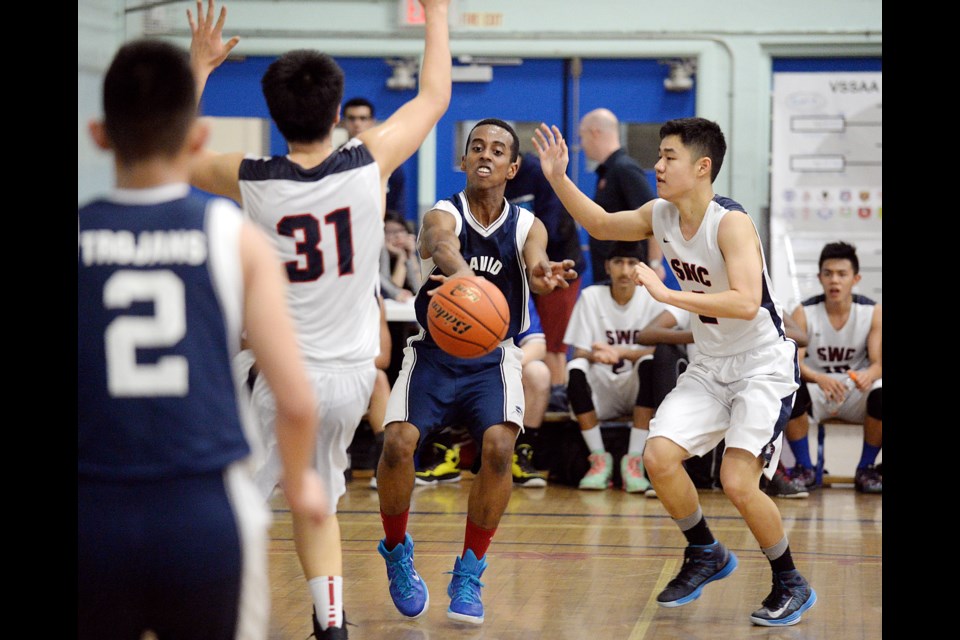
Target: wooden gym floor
(570,564)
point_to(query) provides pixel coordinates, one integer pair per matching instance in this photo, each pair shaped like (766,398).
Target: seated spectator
(842,366)
(399,263)
(605,372)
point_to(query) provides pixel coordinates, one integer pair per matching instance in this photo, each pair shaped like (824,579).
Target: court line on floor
(639,631)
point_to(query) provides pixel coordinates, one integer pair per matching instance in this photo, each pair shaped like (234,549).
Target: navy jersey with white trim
(159,297)
(494,252)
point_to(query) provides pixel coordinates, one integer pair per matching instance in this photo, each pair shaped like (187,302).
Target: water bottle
(833,406)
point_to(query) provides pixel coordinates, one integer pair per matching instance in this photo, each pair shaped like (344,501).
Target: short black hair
(626,249)
(303,89)
(359,102)
(839,251)
(149,100)
(702,136)
(497,122)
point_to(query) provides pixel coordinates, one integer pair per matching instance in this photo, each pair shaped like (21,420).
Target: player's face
(838,279)
(358,120)
(487,161)
(620,269)
(677,169)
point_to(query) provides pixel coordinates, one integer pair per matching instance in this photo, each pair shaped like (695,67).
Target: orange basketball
(468,317)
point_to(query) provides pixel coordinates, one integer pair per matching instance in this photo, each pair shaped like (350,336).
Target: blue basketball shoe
(409,592)
(701,564)
(464,589)
(790,597)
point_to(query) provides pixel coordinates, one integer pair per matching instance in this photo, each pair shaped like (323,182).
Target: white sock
(593,439)
(638,438)
(328,599)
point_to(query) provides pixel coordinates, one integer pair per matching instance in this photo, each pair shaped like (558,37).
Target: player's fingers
(209,12)
(193,25)
(231,44)
(222,19)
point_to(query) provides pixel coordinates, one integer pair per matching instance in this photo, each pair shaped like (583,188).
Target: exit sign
(411,13)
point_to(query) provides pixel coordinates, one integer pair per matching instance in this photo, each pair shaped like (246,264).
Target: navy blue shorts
(163,555)
(436,390)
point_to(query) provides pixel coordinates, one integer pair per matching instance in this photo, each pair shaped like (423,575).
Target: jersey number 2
(304,228)
(126,377)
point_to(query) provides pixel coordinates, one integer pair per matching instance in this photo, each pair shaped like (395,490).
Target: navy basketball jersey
(159,303)
(494,252)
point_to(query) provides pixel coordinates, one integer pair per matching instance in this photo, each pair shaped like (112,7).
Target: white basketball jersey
(327,225)
(699,266)
(838,350)
(597,317)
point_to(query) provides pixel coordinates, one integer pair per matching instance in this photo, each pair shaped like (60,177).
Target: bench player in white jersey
(473,233)
(171,533)
(740,387)
(609,374)
(845,336)
(324,210)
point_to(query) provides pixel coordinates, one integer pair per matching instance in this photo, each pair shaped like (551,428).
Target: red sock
(477,539)
(395,528)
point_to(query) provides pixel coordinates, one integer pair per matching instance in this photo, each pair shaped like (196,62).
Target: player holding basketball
(324,211)
(741,384)
(473,233)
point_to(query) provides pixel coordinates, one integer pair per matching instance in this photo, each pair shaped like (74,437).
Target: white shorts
(613,396)
(853,409)
(343,396)
(745,399)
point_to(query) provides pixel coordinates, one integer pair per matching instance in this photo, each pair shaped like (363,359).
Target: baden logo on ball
(468,317)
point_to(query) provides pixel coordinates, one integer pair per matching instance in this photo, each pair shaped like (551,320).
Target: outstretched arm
(270,334)
(399,137)
(213,172)
(207,48)
(622,225)
(543,274)
(439,240)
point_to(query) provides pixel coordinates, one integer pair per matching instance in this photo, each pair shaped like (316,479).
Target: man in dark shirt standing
(621,183)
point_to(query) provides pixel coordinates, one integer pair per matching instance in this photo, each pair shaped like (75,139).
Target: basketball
(468,317)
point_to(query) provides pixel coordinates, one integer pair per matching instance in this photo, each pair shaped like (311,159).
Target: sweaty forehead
(491,134)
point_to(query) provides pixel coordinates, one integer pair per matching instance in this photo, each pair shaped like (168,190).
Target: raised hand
(207,48)
(553,152)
